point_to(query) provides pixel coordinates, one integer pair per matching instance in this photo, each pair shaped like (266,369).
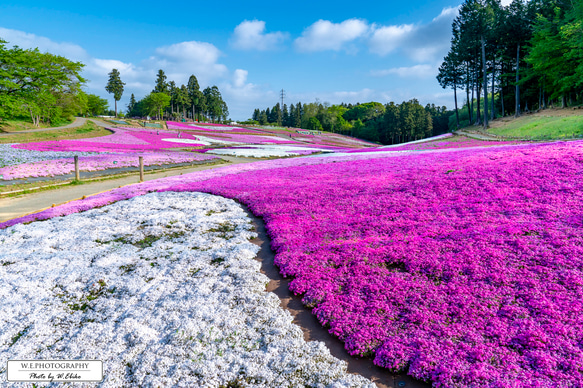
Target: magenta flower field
(209,127)
(452,142)
(97,163)
(122,140)
(463,268)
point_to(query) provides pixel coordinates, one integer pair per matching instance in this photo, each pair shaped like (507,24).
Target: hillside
(543,125)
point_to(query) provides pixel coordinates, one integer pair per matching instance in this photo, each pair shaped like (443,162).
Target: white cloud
(198,52)
(250,35)
(180,60)
(387,39)
(27,40)
(239,78)
(420,42)
(325,35)
(417,71)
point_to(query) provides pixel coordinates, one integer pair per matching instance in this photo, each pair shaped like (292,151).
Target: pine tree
(450,75)
(115,86)
(285,116)
(195,95)
(161,85)
(131,105)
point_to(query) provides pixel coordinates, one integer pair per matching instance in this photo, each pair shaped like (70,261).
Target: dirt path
(30,203)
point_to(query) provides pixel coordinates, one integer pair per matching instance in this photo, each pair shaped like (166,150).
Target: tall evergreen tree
(298,115)
(256,114)
(182,100)
(131,105)
(161,86)
(115,86)
(195,95)
(285,116)
(276,114)
(450,75)
(172,92)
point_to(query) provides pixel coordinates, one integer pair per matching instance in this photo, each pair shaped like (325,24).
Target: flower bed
(11,156)
(451,142)
(98,163)
(464,268)
(205,127)
(123,140)
(164,289)
(265,151)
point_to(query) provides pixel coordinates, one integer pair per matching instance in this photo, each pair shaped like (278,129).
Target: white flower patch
(164,289)
(13,156)
(265,151)
(202,140)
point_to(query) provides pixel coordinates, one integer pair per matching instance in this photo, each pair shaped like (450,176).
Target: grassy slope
(85,131)
(24,123)
(547,124)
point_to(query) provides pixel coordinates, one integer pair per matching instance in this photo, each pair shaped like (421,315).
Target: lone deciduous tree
(115,86)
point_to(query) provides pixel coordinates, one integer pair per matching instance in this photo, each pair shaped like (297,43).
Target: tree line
(389,123)
(524,56)
(45,87)
(167,100)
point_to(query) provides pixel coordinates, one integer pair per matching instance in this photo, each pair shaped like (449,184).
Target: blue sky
(341,51)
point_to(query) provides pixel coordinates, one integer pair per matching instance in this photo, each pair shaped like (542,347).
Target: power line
(282,93)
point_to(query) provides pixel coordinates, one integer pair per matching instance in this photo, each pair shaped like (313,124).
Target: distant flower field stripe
(97,163)
(122,140)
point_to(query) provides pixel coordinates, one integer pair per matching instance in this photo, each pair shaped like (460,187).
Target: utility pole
(282,93)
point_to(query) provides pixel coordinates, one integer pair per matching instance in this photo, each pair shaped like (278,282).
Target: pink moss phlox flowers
(123,140)
(96,163)
(209,127)
(464,268)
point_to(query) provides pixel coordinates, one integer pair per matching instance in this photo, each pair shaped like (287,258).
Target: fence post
(77,168)
(141,169)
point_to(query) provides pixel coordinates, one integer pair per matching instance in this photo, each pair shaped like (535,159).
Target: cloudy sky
(341,51)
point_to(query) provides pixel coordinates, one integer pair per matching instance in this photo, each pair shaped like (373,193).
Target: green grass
(538,127)
(23,124)
(86,131)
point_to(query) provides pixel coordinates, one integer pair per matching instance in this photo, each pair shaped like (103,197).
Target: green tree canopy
(43,85)
(156,103)
(96,105)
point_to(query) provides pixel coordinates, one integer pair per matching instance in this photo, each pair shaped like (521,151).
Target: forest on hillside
(511,59)
(385,123)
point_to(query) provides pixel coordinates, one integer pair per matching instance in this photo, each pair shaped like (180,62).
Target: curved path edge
(313,330)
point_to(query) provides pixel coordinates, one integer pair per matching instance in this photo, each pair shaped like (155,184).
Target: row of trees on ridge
(167,100)
(389,123)
(519,57)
